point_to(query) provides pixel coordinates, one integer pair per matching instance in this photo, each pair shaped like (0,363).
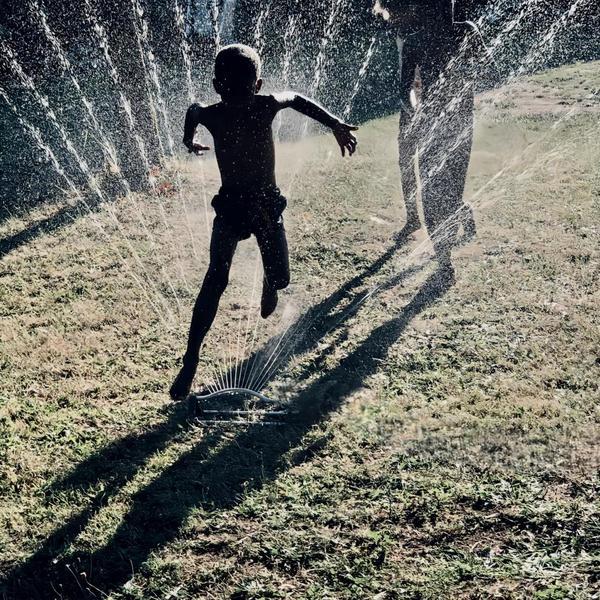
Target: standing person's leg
(273,246)
(445,154)
(440,200)
(407,151)
(222,248)
(407,136)
(462,130)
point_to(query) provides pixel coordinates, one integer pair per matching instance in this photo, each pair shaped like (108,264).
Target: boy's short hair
(238,67)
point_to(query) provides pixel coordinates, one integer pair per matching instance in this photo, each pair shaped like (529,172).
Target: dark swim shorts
(242,213)
(248,212)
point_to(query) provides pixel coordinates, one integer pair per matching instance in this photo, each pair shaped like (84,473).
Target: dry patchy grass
(448,445)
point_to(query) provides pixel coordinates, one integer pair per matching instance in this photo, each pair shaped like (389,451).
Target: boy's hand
(380,12)
(345,138)
(198,149)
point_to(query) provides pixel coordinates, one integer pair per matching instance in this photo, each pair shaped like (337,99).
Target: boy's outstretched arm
(193,118)
(342,131)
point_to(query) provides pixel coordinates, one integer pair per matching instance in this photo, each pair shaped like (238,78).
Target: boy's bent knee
(278,281)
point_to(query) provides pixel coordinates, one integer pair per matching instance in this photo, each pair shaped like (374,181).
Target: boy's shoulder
(258,101)
(268,101)
(206,113)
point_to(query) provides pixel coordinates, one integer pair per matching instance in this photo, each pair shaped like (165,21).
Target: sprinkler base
(237,406)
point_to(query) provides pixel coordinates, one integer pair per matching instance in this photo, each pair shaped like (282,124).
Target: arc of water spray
(108,148)
(102,38)
(216,25)
(361,76)
(39,141)
(241,373)
(151,69)
(153,81)
(328,33)
(186,55)
(35,133)
(185,49)
(259,42)
(43,101)
(286,67)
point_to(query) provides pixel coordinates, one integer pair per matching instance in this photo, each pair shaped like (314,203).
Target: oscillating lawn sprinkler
(242,407)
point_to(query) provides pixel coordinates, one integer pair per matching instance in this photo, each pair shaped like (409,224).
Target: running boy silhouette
(249,201)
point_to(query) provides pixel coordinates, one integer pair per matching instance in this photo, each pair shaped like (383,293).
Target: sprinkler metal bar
(276,413)
(234,392)
(259,414)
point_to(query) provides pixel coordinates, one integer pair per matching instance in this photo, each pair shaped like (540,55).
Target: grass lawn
(448,439)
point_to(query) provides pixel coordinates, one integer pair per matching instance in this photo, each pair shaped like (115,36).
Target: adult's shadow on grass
(105,473)
(253,458)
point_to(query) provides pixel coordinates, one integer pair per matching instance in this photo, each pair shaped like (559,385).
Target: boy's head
(237,71)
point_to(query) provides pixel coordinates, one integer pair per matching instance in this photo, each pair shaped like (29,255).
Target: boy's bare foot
(268,302)
(183,382)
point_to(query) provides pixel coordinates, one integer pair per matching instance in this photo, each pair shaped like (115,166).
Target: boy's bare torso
(243,135)
(243,138)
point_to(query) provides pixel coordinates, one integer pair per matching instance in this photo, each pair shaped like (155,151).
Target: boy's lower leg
(222,248)
(205,311)
(273,247)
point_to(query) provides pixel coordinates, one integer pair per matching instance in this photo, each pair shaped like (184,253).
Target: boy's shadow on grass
(201,478)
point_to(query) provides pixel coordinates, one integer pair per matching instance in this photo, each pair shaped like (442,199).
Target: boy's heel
(180,389)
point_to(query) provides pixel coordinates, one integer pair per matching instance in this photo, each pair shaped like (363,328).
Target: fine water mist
(150,86)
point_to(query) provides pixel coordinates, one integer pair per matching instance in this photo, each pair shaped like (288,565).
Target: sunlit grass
(455,456)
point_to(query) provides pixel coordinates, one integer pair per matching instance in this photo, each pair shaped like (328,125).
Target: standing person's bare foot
(412,224)
(183,382)
(445,275)
(469,226)
(268,301)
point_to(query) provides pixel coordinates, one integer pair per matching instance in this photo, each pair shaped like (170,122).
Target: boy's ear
(218,86)
(259,84)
